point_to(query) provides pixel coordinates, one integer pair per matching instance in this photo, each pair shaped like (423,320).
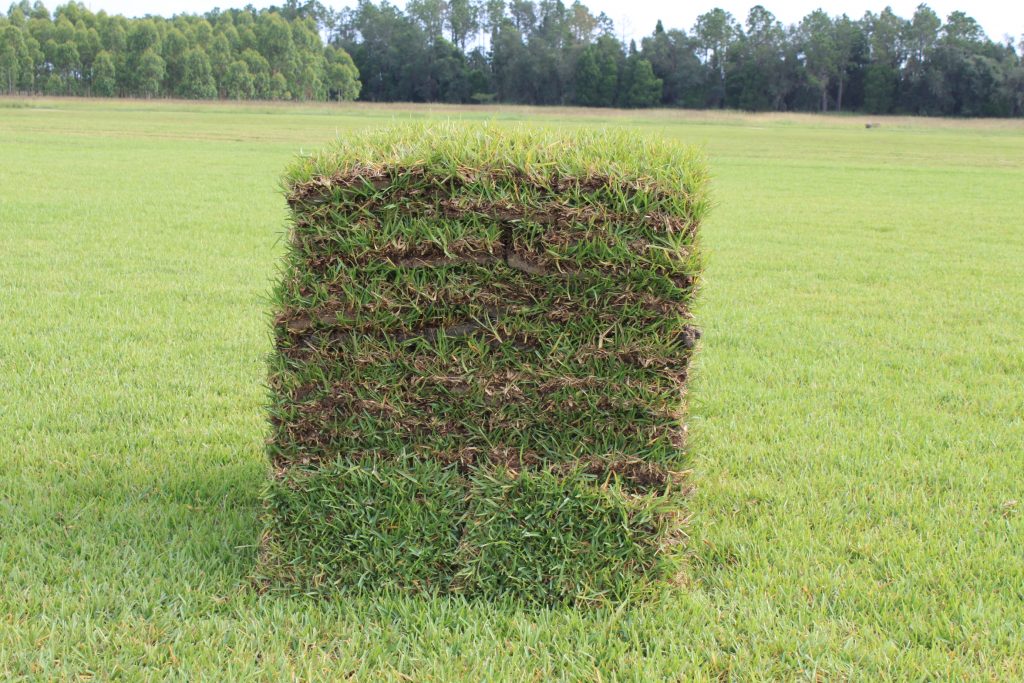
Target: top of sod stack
(638,173)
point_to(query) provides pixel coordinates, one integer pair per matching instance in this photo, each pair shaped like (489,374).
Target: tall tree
(220,60)
(462,17)
(715,31)
(673,58)
(143,72)
(104,75)
(238,83)
(848,40)
(149,73)
(197,81)
(821,52)
(921,84)
(15,64)
(430,15)
(390,54)
(638,86)
(755,76)
(259,70)
(510,64)
(597,73)
(342,76)
(887,54)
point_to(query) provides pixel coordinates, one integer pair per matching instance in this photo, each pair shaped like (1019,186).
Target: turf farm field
(856,411)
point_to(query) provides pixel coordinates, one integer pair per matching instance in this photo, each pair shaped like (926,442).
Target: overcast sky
(636,18)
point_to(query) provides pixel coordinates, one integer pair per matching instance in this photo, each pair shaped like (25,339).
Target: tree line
(232,54)
(540,52)
(548,52)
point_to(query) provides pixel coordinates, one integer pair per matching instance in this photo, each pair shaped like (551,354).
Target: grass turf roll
(482,337)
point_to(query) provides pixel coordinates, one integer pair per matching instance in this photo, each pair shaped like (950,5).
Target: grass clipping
(482,337)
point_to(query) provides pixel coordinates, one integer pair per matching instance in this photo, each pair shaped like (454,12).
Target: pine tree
(639,87)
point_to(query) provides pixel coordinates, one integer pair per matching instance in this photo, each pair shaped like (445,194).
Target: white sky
(636,18)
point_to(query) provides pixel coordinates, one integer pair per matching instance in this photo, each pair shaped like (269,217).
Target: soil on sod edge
(480,366)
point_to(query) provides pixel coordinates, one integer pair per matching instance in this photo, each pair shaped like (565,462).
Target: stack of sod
(482,340)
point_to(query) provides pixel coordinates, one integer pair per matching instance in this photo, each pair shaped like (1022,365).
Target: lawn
(857,411)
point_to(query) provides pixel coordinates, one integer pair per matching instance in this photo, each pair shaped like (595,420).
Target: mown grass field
(857,411)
